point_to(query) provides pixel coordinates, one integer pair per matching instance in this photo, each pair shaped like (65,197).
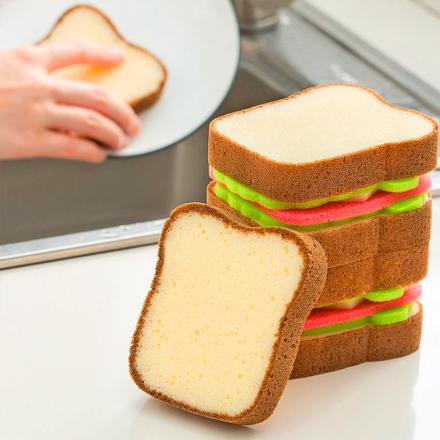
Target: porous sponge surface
(210,329)
(322,123)
(144,72)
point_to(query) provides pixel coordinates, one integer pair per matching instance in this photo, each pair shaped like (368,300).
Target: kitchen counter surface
(65,329)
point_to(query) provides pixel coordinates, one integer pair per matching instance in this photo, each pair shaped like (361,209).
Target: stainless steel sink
(52,209)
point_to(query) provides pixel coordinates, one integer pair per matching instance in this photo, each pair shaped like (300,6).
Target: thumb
(55,56)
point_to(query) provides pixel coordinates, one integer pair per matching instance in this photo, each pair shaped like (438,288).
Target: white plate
(197,40)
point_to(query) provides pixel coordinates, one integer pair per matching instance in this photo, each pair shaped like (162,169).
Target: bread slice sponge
(220,327)
(138,80)
(325,141)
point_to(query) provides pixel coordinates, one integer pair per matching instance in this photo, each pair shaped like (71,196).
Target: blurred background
(53,209)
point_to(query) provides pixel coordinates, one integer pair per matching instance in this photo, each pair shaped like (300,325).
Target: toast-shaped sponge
(137,80)
(334,351)
(220,327)
(324,141)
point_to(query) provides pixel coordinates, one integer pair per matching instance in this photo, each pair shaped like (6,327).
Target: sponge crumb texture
(182,313)
(324,141)
(211,324)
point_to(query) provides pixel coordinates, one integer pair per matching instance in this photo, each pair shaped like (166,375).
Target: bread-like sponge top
(210,327)
(321,123)
(137,80)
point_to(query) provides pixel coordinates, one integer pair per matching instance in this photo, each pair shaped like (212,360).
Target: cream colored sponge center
(138,75)
(209,331)
(321,123)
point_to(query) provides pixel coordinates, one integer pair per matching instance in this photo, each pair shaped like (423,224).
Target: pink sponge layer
(326,317)
(341,210)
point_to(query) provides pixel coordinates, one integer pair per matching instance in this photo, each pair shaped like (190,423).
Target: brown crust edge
(286,346)
(403,266)
(383,271)
(322,354)
(303,182)
(141,103)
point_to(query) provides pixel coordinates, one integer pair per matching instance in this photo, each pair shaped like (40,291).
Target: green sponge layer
(384,295)
(386,317)
(249,210)
(247,193)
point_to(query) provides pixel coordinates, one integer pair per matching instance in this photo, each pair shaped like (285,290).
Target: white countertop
(65,329)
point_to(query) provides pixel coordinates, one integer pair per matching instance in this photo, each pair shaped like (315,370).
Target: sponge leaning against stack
(350,169)
(220,327)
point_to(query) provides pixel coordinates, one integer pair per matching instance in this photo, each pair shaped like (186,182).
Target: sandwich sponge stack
(349,169)
(307,261)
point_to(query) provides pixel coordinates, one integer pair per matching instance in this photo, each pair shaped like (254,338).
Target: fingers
(89,96)
(87,124)
(55,56)
(64,146)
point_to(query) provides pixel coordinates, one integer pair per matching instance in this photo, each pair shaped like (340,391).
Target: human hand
(45,116)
